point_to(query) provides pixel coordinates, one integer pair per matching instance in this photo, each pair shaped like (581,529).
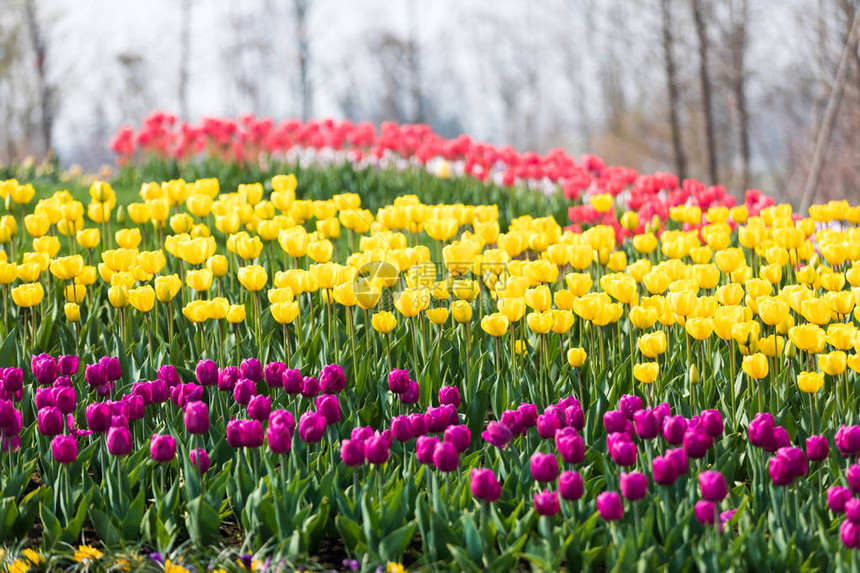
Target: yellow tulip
(437,315)
(699,328)
(833,363)
(252,277)
(72,312)
(645,243)
(580,256)
(47,244)
(383,322)
(841,336)
(620,286)
(816,311)
(326,275)
(725,318)
(128,238)
(142,298)
(807,337)
(730,294)
(284,312)
(167,287)
(772,310)
(539,298)
(601,202)
(236,314)
(88,238)
(854,362)
(653,344)
(75,293)
(152,261)
(810,382)
(755,365)
(196,311)
(643,317)
(462,311)
(538,322)
(22,194)
(576,357)
(29,272)
(200,280)
(412,301)
(496,324)
(37,225)
(562,321)
(118,296)
(842,302)
(66,268)
(320,251)
(28,295)
(770,346)
(199,204)
(646,372)
(8,273)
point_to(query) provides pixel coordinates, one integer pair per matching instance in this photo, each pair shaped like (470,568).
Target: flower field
(267,346)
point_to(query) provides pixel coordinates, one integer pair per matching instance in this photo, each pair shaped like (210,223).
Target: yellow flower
(412,301)
(513,308)
(173,567)
(833,363)
(86,553)
(772,310)
(576,357)
(437,315)
(199,204)
(810,382)
(807,337)
(201,279)
(236,314)
(285,312)
(142,298)
(72,311)
(28,295)
(645,243)
(326,275)
(646,372)
(620,286)
(22,194)
(218,265)
(770,346)
(562,321)
(841,336)
(699,328)
(294,241)
(496,324)
(653,344)
(8,272)
(66,268)
(320,251)
(383,322)
(395,568)
(217,308)
(118,296)
(602,202)
(539,298)
(462,311)
(252,277)
(167,287)
(755,365)
(37,224)
(642,317)
(539,322)
(88,238)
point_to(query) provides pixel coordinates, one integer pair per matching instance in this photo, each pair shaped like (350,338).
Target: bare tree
(306,96)
(705,86)
(672,84)
(415,64)
(184,56)
(44,90)
(737,41)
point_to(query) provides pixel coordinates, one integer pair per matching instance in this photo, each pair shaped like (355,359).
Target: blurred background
(746,93)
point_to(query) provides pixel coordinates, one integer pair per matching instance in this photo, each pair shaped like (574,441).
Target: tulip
(449,395)
(206,373)
(383,322)
(833,363)
(200,460)
(706,512)
(646,373)
(398,381)
(713,486)
(697,443)
(50,421)
(64,449)
(243,391)
(711,422)
(98,417)
(570,445)
(162,448)
(495,324)
(67,365)
(576,357)
(848,441)
(446,457)
(461,310)
(119,441)
(663,471)
(497,434)
(377,449)
(810,382)
(196,418)
(837,497)
(755,365)
(259,408)
(460,436)
(544,467)
(646,424)
(329,407)
(352,452)
(44,369)
(852,476)
(332,379)
(485,486)
(609,506)
(634,486)
(425,448)
(761,430)
(850,534)
(546,503)
(621,449)
(312,426)
(818,448)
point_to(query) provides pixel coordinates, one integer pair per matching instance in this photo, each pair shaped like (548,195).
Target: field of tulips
(307,364)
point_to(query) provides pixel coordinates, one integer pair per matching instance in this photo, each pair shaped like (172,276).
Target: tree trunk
(184,56)
(705,85)
(415,65)
(46,112)
(672,84)
(301,8)
(738,51)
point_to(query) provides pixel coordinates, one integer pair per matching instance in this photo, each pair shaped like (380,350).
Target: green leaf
(202,521)
(395,543)
(351,534)
(51,528)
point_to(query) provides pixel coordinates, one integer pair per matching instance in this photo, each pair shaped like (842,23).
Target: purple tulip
(251,369)
(352,452)
(13,380)
(609,506)
(418,423)
(44,397)
(98,416)
(662,411)
(706,512)
(44,368)
(713,486)
(312,427)
(544,467)
(780,471)
(445,457)
(850,534)
(817,448)
(227,378)
(634,486)
(497,434)
(50,421)
(853,477)
(310,387)
(621,449)
(200,460)
(401,429)
(424,449)
(852,510)
(398,381)
(377,450)
(283,418)
(251,432)
(548,425)
(614,421)
(206,373)
(7,415)
(162,448)
(678,457)
(795,459)
(196,418)
(570,445)
(329,407)
(273,374)
(280,437)
(575,417)
(837,497)
(629,405)
(169,374)
(449,395)
(697,443)
(437,419)
(848,441)
(119,441)
(513,420)
(459,436)
(243,390)
(292,381)
(528,415)
(182,394)
(65,399)
(674,428)
(259,408)
(136,408)
(780,439)
(663,471)
(646,424)
(546,503)
(332,379)
(64,449)
(711,422)
(485,486)
(112,368)
(760,430)
(67,365)
(570,486)
(412,394)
